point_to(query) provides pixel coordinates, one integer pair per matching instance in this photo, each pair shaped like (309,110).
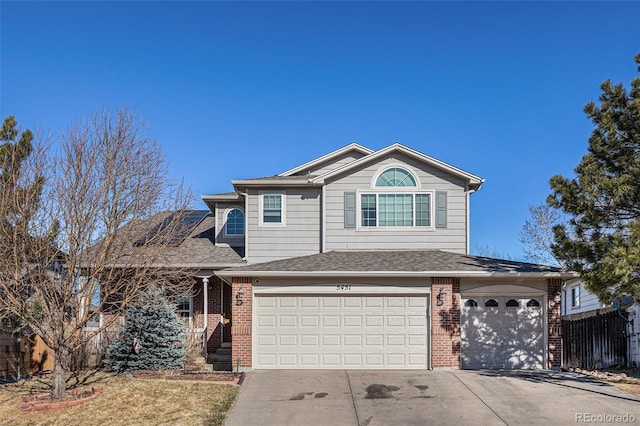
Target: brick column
(445,323)
(241,342)
(554,322)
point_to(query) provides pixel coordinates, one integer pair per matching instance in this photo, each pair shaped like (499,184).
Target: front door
(226,310)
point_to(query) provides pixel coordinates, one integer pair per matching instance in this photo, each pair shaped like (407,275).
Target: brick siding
(554,321)
(242,322)
(445,323)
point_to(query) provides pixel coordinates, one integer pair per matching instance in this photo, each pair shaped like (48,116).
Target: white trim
(386,167)
(323,230)
(226,218)
(393,274)
(283,210)
(395,191)
(503,290)
(187,296)
(309,164)
(333,289)
(471,178)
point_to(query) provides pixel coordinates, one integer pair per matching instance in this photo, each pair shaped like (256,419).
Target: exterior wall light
(240,296)
(557,296)
(442,296)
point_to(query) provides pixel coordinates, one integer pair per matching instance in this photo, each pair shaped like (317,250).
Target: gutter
(392,274)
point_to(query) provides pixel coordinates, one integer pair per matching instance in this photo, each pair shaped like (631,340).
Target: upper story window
(235,223)
(394,177)
(272,209)
(575,296)
(395,204)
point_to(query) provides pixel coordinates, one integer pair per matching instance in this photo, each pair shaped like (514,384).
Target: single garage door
(346,331)
(502,332)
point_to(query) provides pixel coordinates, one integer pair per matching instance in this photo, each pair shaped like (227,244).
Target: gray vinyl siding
(588,300)
(452,238)
(221,214)
(300,236)
(327,166)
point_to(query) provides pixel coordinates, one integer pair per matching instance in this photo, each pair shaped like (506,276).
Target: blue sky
(246,89)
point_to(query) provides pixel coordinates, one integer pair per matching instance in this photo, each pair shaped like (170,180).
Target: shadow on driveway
(369,398)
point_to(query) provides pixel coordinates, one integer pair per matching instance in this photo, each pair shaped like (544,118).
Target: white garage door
(332,332)
(502,332)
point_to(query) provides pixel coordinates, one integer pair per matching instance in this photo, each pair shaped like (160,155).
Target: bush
(152,337)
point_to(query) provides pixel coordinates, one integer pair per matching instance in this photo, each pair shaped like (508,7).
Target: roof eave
(274,183)
(351,147)
(472,179)
(394,274)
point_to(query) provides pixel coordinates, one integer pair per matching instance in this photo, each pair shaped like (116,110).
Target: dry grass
(127,402)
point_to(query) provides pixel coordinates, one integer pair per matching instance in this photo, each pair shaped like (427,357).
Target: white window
(272,209)
(234,225)
(575,296)
(392,205)
(184,310)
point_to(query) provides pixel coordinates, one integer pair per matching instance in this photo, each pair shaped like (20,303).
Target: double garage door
(357,331)
(502,332)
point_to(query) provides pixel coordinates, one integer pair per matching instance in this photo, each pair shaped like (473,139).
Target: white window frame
(379,228)
(226,217)
(386,167)
(188,297)
(575,291)
(283,210)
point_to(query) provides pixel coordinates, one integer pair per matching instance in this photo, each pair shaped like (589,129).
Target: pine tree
(601,240)
(152,337)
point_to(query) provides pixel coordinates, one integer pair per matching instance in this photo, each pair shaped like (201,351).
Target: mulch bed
(199,376)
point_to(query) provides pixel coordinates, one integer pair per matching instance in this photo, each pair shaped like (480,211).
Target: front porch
(208,337)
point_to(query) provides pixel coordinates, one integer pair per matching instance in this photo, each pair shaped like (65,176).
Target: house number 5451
(343,287)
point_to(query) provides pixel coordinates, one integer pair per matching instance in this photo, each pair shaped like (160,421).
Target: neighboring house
(578,302)
(359,259)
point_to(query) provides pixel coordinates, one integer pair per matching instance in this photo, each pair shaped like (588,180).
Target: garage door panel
(502,336)
(350,331)
(288,321)
(395,320)
(312,340)
(288,302)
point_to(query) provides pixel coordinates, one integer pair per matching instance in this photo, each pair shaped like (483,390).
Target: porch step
(221,360)
(226,345)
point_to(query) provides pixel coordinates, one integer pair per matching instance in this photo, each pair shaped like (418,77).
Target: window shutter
(441,209)
(349,209)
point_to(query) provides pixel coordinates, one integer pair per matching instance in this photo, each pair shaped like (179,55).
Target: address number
(343,287)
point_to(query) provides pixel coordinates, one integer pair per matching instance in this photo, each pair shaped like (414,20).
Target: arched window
(394,177)
(471,303)
(512,303)
(533,303)
(399,203)
(491,303)
(235,222)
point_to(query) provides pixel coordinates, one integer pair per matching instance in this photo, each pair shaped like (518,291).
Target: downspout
(246,224)
(468,236)
(323,224)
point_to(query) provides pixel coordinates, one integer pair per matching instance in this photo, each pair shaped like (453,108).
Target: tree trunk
(59,387)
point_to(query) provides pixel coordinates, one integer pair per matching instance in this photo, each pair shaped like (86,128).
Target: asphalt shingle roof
(396,261)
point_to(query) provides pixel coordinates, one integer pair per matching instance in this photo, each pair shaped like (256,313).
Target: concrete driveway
(369,398)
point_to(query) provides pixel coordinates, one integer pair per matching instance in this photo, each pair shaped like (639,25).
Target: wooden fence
(598,341)
(23,355)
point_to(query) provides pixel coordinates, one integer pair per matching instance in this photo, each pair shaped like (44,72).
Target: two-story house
(360,259)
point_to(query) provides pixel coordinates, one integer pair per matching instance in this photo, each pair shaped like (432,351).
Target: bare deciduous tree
(536,235)
(108,213)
